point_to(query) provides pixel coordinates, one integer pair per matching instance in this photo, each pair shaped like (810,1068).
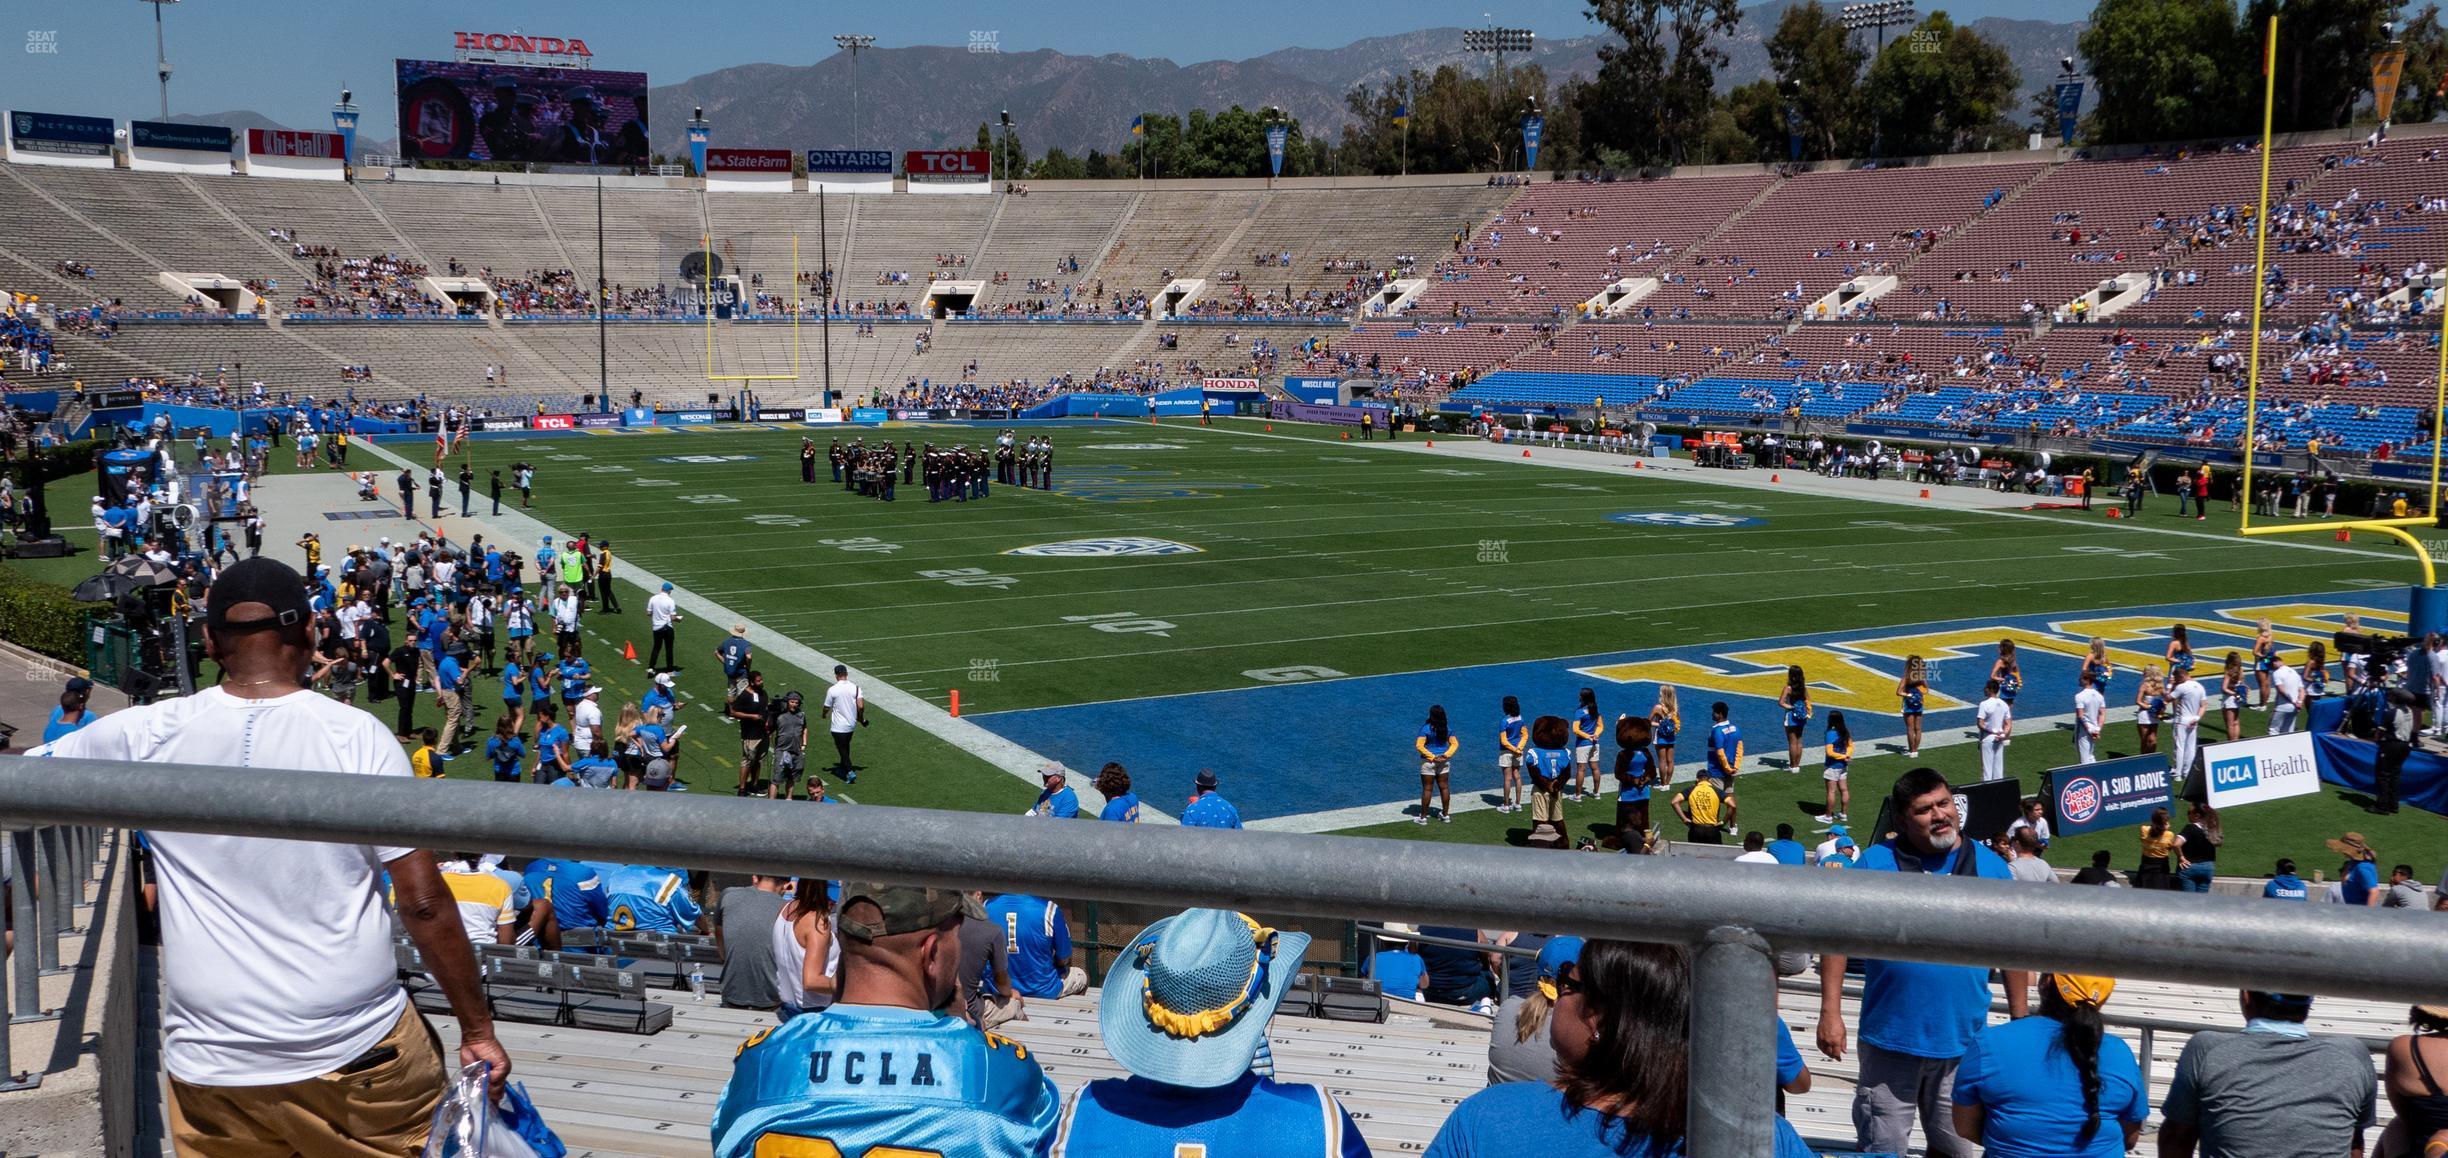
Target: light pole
(1008,125)
(853,42)
(1879,15)
(1495,42)
(161,57)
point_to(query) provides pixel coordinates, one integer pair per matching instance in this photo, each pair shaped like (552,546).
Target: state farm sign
(946,164)
(291,143)
(532,45)
(748,160)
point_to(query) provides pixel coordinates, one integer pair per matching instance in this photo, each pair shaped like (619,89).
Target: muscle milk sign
(2262,768)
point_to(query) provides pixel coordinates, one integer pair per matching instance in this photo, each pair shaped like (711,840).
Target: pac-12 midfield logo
(1680,519)
(1108,547)
(2080,801)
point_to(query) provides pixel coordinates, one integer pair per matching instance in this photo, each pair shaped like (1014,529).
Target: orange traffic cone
(1776,478)
(2345,536)
(1925,492)
(1525,452)
(956,703)
(1432,444)
(1271,429)
(1347,436)
(628,651)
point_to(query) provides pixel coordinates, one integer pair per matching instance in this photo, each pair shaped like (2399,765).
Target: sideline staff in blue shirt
(1917,1019)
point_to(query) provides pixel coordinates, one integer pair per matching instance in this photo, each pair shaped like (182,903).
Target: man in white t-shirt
(284,1025)
(2286,699)
(2185,712)
(586,720)
(1996,723)
(662,611)
(845,709)
(2090,718)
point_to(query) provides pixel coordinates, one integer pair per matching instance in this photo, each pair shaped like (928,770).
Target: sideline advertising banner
(62,134)
(554,422)
(2109,794)
(2261,768)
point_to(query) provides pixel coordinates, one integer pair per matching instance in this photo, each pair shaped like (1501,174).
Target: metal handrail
(52,865)
(2243,942)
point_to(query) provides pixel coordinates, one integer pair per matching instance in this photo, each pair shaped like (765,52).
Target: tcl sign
(536,45)
(946,163)
(554,422)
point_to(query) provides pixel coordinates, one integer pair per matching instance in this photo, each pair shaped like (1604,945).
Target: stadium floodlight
(161,57)
(853,43)
(1498,41)
(1004,118)
(1880,15)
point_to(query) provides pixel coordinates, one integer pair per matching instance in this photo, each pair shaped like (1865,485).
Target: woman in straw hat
(1185,1010)
(2056,1084)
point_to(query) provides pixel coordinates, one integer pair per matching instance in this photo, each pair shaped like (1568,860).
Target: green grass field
(1321,593)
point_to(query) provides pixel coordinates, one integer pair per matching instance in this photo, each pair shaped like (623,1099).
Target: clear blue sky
(289,59)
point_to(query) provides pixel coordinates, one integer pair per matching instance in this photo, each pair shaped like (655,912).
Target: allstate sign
(2263,768)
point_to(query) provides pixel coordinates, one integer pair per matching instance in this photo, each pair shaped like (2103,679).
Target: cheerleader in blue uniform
(1795,699)
(1839,742)
(2316,671)
(2008,672)
(1665,720)
(2179,655)
(2150,707)
(1512,743)
(2096,668)
(2265,659)
(1913,689)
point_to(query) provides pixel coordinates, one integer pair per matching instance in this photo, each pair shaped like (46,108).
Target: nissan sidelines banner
(500,424)
(165,135)
(2109,794)
(60,133)
(2261,768)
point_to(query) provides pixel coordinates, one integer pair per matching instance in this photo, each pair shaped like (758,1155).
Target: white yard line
(1022,763)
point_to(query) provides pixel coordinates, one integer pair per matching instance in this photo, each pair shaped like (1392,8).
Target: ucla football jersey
(1137,1118)
(865,1081)
(576,892)
(1035,936)
(650,900)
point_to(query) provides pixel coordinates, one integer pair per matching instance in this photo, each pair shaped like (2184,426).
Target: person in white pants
(2185,704)
(2435,651)
(2286,699)
(1996,722)
(2090,716)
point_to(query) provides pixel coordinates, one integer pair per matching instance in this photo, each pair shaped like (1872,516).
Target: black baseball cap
(245,586)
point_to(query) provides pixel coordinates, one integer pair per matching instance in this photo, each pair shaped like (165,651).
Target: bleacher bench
(1336,998)
(574,982)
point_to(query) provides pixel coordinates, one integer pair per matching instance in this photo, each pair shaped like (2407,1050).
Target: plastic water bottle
(697,982)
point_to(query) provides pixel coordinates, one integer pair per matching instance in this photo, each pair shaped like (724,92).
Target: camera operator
(2398,722)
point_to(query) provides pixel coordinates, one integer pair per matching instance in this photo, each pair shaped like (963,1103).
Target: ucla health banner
(1534,127)
(2069,108)
(194,138)
(2261,768)
(1276,135)
(2109,794)
(60,133)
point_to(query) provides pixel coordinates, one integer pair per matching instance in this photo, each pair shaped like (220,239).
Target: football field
(1282,605)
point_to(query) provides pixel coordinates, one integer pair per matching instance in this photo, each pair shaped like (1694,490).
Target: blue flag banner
(1534,126)
(2069,108)
(1276,136)
(344,122)
(1793,131)
(2108,794)
(698,135)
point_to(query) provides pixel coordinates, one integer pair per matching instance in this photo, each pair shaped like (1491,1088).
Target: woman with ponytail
(2052,1086)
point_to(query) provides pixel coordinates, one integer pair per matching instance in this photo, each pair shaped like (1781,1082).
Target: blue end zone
(1296,748)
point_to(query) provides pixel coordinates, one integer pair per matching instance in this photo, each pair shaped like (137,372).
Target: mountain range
(935,96)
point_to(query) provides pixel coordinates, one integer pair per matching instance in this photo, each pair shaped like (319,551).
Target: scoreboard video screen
(454,110)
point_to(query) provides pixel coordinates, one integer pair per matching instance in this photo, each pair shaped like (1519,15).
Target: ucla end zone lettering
(1854,670)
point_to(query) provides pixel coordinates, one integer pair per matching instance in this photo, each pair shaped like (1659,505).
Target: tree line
(2155,70)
